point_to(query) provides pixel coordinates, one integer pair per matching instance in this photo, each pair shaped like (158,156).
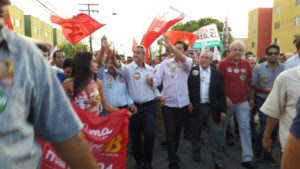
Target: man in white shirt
(281,105)
(173,73)
(295,60)
(142,124)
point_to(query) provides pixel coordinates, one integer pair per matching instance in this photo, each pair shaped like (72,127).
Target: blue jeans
(242,114)
(142,125)
(262,122)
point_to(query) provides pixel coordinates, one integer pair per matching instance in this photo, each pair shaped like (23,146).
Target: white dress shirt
(292,62)
(174,77)
(135,77)
(204,84)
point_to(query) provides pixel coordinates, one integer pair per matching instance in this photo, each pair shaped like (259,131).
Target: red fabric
(235,88)
(187,37)
(161,23)
(8,22)
(78,27)
(106,136)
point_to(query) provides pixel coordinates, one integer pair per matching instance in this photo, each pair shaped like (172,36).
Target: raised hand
(104,43)
(166,42)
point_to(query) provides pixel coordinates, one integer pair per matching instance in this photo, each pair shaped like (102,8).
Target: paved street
(232,157)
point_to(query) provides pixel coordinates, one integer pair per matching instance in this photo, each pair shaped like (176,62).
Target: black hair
(68,63)
(42,47)
(297,42)
(185,46)
(225,53)
(81,71)
(272,46)
(55,53)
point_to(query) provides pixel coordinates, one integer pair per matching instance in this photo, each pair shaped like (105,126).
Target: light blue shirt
(204,84)
(135,77)
(36,105)
(115,90)
(264,77)
(174,76)
(292,62)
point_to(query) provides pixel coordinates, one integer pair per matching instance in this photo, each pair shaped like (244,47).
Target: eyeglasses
(273,53)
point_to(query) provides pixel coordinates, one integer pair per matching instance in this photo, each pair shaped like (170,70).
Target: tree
(71,50)
(193,25)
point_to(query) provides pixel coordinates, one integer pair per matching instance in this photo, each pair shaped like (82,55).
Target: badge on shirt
(229,69)
(236,70)
(6,73)
(172,69)
(195,72)
(3,101)
(243,70)
(266,80)
(109,85)
(243,77)
(203,78)
(136,76)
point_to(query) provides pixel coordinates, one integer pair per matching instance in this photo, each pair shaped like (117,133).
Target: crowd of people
(179,90)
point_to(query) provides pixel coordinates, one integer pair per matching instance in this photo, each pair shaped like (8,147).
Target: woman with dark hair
(84,89)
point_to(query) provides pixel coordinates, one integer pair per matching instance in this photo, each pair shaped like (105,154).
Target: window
(35,30)
(253,31)
(277,9)
(277,25)
(253,18)
(297,2)
(297,20)
(18,23)
(46,34)
(276,41)
(253,44)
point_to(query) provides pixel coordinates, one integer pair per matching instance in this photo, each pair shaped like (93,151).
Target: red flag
(187,37)
(161,23)
(78,27)
(8,22)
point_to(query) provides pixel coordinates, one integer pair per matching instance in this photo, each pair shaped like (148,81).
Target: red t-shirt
(236,79)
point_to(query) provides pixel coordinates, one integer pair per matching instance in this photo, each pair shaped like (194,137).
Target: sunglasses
(273,53)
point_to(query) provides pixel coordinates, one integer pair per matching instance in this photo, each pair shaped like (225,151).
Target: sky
(133,17)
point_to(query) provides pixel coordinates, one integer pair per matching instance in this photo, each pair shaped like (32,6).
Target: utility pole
(89,11)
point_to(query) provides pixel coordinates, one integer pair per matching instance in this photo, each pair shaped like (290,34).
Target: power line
(89,11)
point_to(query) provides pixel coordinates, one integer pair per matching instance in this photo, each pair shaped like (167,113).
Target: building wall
(38,29)
(17,19)
(264,30)
(57,37)
(284,14)
(252,31)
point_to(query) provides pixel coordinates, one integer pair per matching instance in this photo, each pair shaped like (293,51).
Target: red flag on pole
(187,37)
(78,27)
(161,23)
(8,22)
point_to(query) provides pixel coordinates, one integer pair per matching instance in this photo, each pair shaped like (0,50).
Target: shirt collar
(5,36)
(135,66)
(202,70)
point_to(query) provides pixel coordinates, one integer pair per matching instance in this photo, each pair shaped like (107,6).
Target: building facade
(259,30)
(286,23)
(38,29)
(17,19)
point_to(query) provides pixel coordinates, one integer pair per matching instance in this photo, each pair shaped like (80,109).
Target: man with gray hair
(208,104)
(237,76)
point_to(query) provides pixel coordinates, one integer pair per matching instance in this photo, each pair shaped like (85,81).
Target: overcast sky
(134,16)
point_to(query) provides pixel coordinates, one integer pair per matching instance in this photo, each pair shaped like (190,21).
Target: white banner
(209,36)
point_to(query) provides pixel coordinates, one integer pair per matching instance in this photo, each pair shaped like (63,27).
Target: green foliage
(70,50)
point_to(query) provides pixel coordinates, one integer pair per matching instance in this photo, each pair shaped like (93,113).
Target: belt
(144,104)
(204,104)
(123,107)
